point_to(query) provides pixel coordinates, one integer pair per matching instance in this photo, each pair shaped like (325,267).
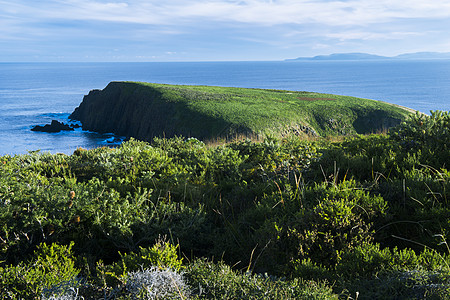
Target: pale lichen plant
(66,290)
(157,283)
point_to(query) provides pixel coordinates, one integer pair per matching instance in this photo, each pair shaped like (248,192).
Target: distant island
(366,56)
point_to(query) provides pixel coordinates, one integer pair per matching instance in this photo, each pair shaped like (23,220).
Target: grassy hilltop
(146,110)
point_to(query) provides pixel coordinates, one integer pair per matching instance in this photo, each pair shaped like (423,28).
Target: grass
(144,110)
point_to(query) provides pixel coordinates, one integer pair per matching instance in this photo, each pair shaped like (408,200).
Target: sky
(217,30)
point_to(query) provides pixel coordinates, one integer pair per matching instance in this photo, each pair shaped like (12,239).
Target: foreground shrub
(413,284)
(368,260)
(420,140)
(156,283)
(66,290)
(426,136)
(161,255)
(218,281)
(52,265)
(348,212)
(329,219)
(374,273)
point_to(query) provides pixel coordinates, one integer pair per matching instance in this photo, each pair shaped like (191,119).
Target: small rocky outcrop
(54,126)
(298,130)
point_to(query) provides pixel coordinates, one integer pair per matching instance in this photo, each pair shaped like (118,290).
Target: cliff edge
(139,111)
(146,110)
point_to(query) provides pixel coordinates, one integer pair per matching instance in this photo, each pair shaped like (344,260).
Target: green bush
(420,140)
(367,260)
(374,273)
(218,281)
(347,212)
(333,218)
(50,266)
(363,158)
(162,255)
(413,284)
(428,136)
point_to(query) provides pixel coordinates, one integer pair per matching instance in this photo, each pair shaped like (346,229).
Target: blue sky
(217,30)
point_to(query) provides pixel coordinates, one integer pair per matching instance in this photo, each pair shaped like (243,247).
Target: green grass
(209,112)
(262,110)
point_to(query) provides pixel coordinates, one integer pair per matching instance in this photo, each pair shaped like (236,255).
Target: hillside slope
(145,110)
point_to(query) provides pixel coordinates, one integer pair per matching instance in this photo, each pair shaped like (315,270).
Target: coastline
(32,93)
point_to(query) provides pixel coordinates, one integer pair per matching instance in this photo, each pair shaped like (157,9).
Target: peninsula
(366,56)
(147,110)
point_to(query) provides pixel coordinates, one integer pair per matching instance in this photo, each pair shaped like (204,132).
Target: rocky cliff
(145,110)
(133,110)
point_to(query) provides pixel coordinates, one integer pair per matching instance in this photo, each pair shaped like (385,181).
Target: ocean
(36,93)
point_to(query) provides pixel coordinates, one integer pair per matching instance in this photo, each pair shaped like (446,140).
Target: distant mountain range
(366,56)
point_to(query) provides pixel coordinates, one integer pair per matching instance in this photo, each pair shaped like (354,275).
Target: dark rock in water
(75,125)
(114,140)
(55,126)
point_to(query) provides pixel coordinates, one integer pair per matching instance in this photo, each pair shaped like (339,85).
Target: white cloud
(259,12)
(367,35)
(320,46)
(205,24)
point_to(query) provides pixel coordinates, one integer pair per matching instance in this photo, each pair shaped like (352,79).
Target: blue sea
(36,93)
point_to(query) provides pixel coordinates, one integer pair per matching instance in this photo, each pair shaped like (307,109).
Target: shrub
(367,260)
(346,211)
(374,273)
(333,218)
(427,136)
(412,284)
(218,281)
(162,255)
(66,290)
(156,283)
(51,266)
(362,158)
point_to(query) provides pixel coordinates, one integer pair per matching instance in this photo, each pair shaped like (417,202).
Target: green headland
(147,110)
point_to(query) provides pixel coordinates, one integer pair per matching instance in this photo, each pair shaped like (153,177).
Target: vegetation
(148,110)
(262,110)
(364,217)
